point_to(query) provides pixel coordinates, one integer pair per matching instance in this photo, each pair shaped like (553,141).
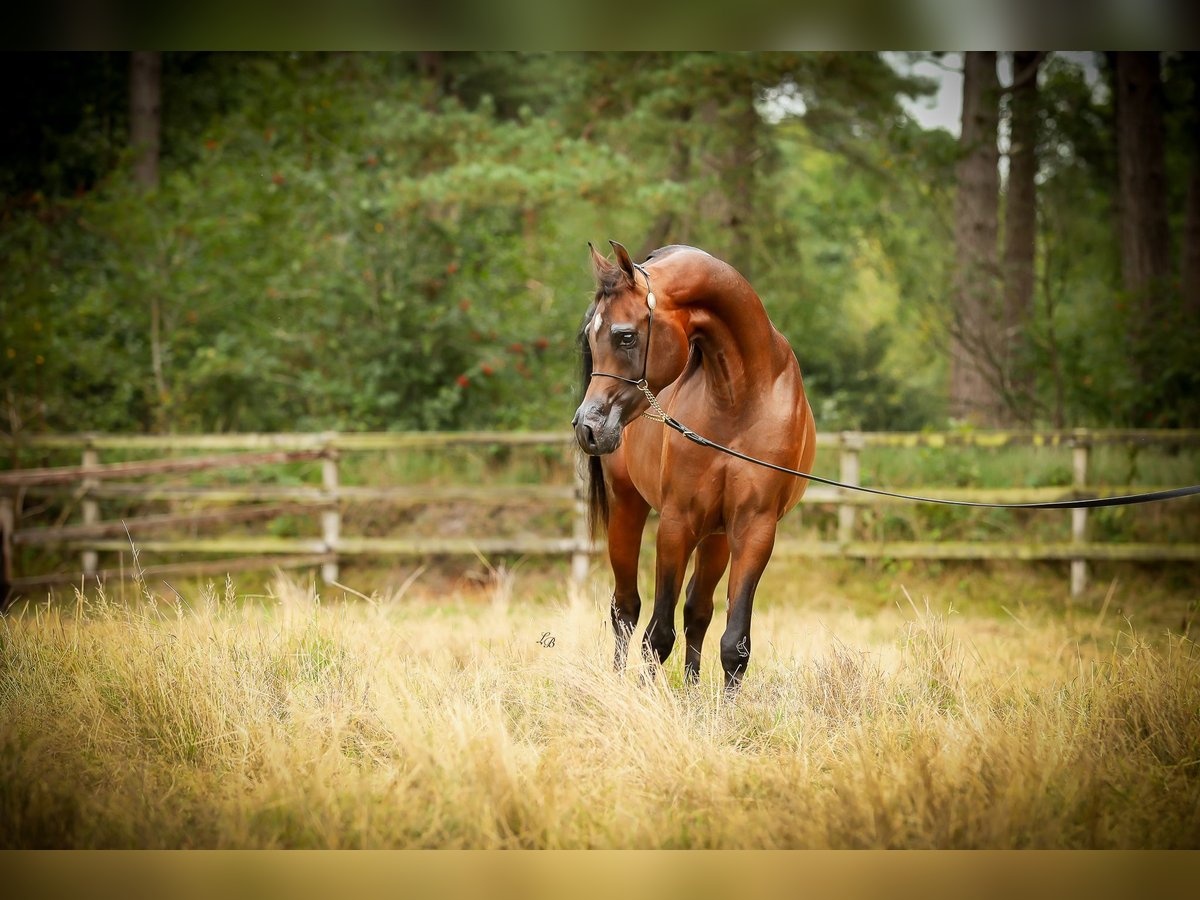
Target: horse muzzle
(598,435)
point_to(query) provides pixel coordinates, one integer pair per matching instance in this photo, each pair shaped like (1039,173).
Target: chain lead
(644,387)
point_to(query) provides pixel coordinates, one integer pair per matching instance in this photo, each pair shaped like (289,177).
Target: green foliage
(1087,334)
(868,291)
(338,255)
(381,241)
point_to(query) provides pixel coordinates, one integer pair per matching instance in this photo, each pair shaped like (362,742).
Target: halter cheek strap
(641,383)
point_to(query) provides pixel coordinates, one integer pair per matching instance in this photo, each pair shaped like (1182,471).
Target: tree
(145,115)
(976,354)
(694,118)
(737,165)
(669,226)
(145,130)
(1189,265)
(1190,253)
(336,244)
(1020,229)
(1142,192)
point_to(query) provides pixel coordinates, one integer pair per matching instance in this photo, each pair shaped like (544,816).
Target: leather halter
(640,382)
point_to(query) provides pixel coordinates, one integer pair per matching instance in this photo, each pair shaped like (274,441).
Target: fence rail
(388,440)
(93,481)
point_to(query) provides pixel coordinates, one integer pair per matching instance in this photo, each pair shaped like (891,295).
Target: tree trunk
(666,227)
(1020,227)
(145,115)
(431,64)
(729,116)
(1141,173)
(1189,263)
(976,353)
(738,179)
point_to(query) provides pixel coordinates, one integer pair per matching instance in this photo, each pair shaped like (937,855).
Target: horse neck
(728,322)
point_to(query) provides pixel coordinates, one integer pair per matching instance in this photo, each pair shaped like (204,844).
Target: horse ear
(623,259)
(600,265)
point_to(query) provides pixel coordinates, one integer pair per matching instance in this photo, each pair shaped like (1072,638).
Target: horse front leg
(750,543)
(674,547)
(627,519)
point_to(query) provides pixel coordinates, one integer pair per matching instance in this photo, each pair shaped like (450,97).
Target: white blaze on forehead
(596,323)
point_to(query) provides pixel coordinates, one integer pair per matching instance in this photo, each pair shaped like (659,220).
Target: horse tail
(597,497)
(597,493)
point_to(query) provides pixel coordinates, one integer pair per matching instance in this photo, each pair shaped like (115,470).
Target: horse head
(630,335)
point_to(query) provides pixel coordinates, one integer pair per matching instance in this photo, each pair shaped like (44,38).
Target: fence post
(91,511)
(851,442)
(331,516)
(582,539)
(8,522)
(1079,469)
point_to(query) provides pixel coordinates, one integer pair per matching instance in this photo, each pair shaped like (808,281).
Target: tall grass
(219,721)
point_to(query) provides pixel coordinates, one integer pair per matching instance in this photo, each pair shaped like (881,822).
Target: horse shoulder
(642,459)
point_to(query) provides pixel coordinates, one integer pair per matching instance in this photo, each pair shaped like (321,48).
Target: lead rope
(660,415)
(1125,500)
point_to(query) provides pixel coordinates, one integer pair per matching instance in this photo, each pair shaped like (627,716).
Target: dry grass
(394,722)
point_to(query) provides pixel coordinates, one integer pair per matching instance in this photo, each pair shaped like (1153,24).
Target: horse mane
(612,279)
(671,248)
(597,493)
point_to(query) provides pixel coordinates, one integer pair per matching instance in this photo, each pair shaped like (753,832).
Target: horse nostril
(575,419)
(589,435)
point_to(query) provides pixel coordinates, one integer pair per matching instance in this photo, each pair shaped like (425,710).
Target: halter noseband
(640,383)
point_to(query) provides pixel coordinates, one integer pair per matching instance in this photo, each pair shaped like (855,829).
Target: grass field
(440,718)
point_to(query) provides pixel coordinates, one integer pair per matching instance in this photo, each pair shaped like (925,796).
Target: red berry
(463,381)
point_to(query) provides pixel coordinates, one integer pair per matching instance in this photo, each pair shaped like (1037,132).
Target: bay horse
(688,327)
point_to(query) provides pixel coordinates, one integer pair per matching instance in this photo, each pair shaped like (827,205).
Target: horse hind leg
(751,547)
(627,519)
(712,558)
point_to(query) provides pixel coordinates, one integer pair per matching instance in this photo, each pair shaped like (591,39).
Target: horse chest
(676,477)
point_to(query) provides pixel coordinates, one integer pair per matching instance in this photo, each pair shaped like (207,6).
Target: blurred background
(198,242)
(197,247)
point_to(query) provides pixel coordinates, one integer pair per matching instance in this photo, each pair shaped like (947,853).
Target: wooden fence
(93,481)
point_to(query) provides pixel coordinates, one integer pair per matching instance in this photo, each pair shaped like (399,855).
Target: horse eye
(626,338)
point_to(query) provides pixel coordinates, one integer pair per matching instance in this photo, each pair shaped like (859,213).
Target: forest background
(199,242)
